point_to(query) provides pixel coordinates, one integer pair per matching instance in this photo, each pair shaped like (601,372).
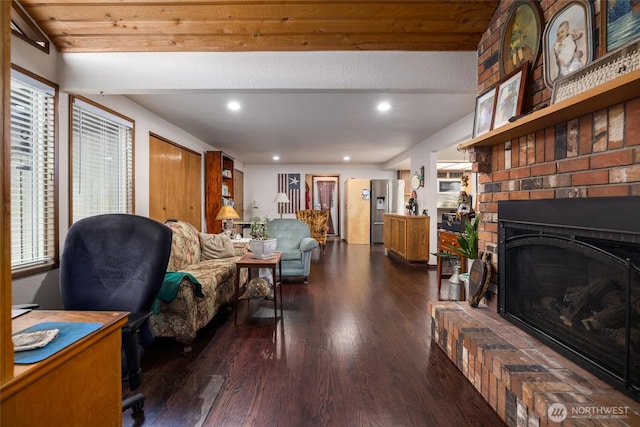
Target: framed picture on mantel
(485,106)
(568,40)
(620,23)
(521,36)
(510,95)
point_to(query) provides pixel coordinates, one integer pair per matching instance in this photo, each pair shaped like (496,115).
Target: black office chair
(117,262)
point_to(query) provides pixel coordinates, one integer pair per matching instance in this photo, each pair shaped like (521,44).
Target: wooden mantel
(610,93)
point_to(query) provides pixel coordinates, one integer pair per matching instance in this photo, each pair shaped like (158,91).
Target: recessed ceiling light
(346,158)
(234,106)
(384,106)
(276,157)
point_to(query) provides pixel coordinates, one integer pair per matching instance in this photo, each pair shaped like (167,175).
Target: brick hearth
(519,376)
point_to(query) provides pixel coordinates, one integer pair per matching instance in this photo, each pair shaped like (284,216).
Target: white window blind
(102,162)
(33,208)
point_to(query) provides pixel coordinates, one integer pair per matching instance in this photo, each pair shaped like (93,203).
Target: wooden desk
(80,385)
(447,239)
(247,261)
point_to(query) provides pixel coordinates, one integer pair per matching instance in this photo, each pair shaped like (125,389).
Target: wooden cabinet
(79,385)
(406,177)
(407,237)
(218,187)
(446,240)
(174,182)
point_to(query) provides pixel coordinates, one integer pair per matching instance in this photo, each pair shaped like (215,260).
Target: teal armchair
(295,243)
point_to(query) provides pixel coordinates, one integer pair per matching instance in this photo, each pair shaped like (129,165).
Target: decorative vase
(262,248)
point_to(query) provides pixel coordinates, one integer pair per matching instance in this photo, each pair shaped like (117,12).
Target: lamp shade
(282,198)
(227,212)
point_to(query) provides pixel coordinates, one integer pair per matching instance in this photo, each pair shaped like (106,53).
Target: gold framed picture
(521,36)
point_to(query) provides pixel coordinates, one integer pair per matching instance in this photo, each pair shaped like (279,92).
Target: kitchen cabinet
(406,237)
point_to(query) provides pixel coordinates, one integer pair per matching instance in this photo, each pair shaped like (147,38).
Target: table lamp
(227,214)
(281,198)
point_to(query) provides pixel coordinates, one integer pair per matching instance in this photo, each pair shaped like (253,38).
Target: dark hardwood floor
(354,349)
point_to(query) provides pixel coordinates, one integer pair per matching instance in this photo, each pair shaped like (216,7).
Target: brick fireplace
(591,151)
(520,377)
(570,276)
(595,153)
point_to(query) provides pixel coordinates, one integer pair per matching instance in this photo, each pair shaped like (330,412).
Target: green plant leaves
(467,242)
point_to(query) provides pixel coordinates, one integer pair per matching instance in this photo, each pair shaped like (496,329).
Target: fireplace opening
(569,274)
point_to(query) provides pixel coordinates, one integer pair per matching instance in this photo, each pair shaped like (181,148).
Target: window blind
(33,207)
(102,162)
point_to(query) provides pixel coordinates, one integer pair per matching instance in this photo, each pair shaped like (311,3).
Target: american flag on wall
(289,183)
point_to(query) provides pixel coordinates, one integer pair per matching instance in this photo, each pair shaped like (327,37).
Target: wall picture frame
(568,40)
(485,107)
(509,96)
(521,36)
(619,24)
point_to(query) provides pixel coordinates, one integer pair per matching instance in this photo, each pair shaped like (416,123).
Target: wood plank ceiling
(261,25)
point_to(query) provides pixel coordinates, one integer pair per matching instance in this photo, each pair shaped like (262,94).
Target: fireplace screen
(575,286)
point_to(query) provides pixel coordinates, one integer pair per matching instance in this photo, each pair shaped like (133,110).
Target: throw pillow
(241,248)
(216,246)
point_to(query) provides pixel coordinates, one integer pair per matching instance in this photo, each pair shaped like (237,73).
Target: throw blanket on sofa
(170,286)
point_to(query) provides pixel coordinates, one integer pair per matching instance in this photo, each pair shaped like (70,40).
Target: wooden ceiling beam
(226,25)
(116,28)
(236,42)
(43,12)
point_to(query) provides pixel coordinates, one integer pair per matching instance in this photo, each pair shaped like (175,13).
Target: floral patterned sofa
(187,313)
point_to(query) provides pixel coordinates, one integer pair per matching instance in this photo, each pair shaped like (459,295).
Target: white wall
(43,288)
(261,184)
(260,180)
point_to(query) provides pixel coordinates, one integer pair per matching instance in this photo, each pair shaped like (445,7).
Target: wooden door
(357,212)
(174,182)
(238,192)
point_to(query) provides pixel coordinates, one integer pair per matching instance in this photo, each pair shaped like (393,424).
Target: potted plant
(260,244)
(467,247)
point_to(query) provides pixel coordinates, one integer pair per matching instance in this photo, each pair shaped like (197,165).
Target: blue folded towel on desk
(69,332)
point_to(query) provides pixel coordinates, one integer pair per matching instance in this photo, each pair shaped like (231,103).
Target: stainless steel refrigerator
(387,196)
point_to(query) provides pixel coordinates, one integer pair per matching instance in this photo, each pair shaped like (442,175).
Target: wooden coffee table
(247,261)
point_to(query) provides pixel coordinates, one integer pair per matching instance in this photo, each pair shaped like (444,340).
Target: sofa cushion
(216,246)
(212,271)
(289,233)
(185,245)
(240,248)
(291,255)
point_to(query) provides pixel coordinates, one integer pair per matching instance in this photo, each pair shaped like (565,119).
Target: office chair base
(135,402)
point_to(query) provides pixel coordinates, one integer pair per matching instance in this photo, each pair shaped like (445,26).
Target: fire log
(586,299)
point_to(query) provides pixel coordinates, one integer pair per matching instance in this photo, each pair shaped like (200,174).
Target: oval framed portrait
(521,37)
(568,40)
